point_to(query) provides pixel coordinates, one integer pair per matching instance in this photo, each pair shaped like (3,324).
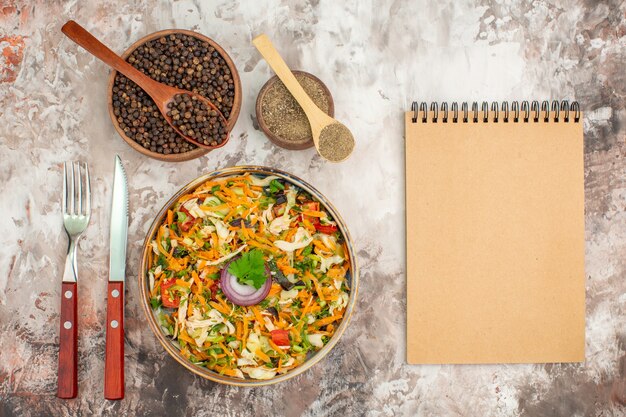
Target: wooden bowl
(197,152)
(171,346)
(283,143)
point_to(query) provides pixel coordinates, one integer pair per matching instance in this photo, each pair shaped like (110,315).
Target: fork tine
(64,203)
(72,198)
(79,183)
(87,191)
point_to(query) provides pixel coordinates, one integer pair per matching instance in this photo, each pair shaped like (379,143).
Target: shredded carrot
(262,356)
(157,286)
(257,316)
(307,306)
(283,265)
(327,320)
(262,246)
(174,265)
(276,347)
(250,210)
(199,354)
(225,349)
(313,213)
(276,289)
(207,255)
(318,244)
(183,283)
(202,300)
(211,269)
(317,286)
(238,331)
(197,281)
(184,336)
(336,273)
(223,303)
(225,371)
(307,224)
(290,234)
(219,308)
(245,332)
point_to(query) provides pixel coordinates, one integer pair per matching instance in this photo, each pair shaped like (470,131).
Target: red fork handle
(114,353)
(67,384)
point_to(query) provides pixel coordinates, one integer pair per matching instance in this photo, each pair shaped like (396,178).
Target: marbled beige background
(376,57)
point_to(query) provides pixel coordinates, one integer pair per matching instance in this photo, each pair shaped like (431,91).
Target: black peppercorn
(179,61)
(197,121)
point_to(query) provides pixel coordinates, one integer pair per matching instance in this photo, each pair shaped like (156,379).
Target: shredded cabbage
(288,295)
(301,239)
(316,340)
(279,225)
(326,263)
(262,182)
(259,372)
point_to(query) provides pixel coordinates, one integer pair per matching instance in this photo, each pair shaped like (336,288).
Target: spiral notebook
(495,233)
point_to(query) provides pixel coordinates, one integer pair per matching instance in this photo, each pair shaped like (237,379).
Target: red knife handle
(114,353)
(67,385)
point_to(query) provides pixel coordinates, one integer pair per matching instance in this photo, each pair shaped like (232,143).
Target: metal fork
(76,213)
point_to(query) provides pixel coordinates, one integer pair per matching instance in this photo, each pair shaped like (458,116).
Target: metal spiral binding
(524,113)
(545,108)
(525,110)
(435,111)
(414,110)
(534,107)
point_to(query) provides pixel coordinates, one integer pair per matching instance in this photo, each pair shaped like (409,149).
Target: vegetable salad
(236,238)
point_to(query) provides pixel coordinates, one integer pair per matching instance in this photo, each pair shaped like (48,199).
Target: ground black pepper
(336,142)
(180,61)
(282,114)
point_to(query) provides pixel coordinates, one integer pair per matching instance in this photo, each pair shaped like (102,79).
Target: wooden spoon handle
(82,37)
(273,58)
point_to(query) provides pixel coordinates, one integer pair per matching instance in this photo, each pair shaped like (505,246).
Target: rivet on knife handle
(114,353)
(68,343)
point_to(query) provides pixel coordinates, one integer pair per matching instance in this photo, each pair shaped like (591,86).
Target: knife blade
(119,224)
(114,349)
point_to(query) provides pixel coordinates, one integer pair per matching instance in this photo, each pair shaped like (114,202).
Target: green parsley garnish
(250,269)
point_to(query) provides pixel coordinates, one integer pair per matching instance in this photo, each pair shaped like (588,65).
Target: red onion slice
(242,294)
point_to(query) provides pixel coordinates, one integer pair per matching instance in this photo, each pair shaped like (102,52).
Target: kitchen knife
(114,353)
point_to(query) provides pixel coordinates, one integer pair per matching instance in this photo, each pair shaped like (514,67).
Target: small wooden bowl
(283,143)
(197,152)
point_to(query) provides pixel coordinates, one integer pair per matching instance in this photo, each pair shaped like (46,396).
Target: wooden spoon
(332,139)
(162,94)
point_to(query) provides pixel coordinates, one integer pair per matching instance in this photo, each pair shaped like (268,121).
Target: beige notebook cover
(495,240)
